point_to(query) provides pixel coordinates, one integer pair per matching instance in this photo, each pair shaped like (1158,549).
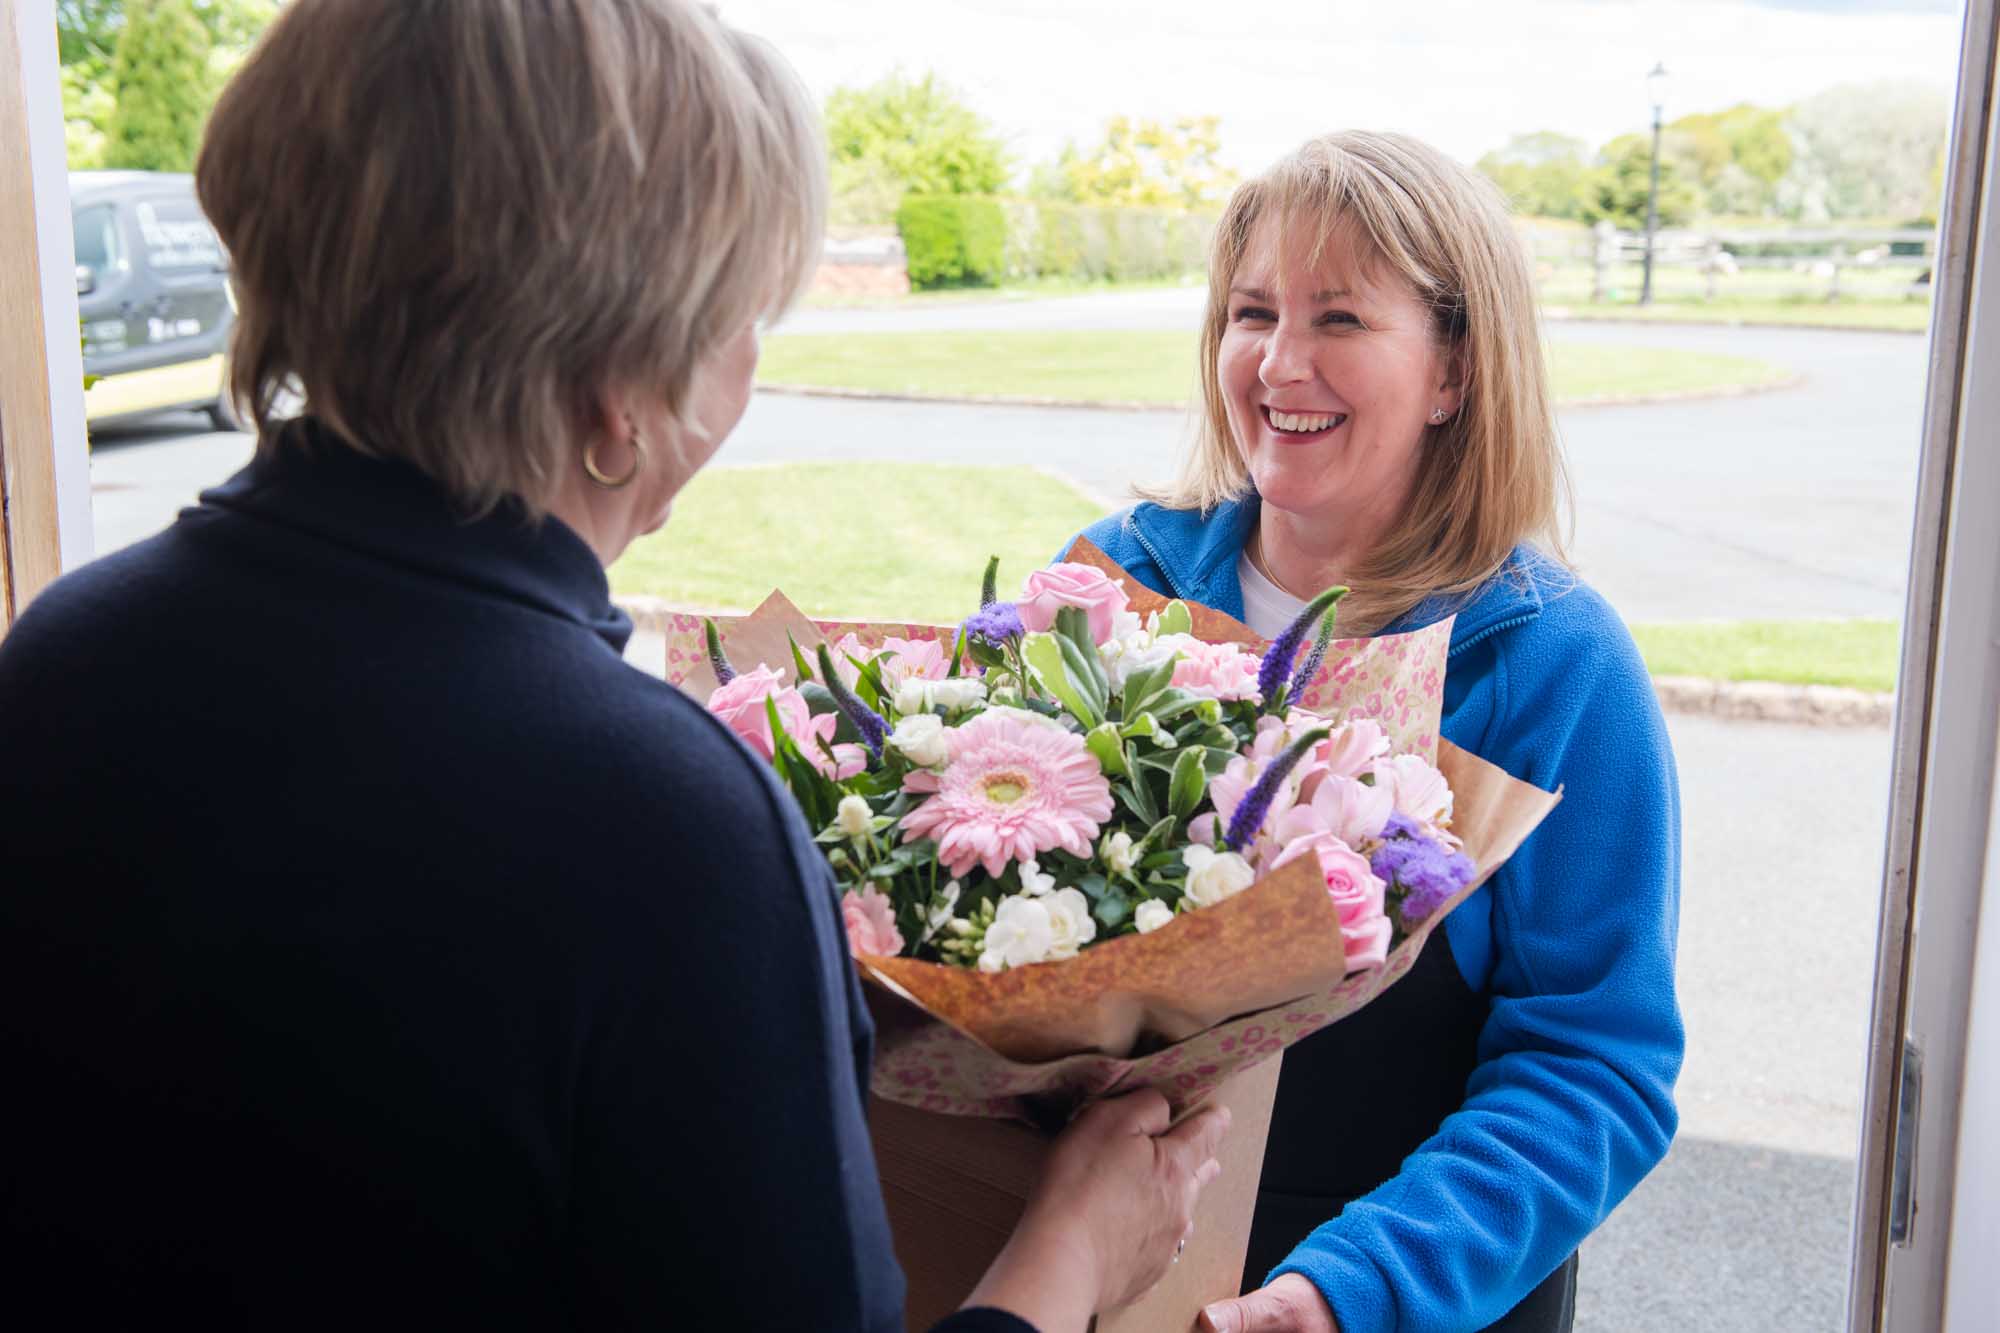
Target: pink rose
(740,705)
(1048,591)
(1215,670)
(871,924)
(1357,895)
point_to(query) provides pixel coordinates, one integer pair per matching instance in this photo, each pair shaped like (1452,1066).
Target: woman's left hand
(1289,1305)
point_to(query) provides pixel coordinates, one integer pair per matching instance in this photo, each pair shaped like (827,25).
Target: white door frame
(1912,1170)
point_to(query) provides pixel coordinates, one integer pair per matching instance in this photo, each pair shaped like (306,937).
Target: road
(1784,504)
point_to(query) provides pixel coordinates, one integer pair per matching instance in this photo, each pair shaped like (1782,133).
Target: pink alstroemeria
(1351,811)
(1352,749)
(1416,788)
(1228,788)
(897,659)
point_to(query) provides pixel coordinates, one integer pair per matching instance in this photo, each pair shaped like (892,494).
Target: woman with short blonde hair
(1376,414)
(377,946)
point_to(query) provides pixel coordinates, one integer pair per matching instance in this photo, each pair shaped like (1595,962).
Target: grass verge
(737,533)
(1860,654)
(1158,366)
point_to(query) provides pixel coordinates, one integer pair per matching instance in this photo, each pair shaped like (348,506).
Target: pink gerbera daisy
(1015,787)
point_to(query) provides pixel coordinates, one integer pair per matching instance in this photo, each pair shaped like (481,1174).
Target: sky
(1464,74)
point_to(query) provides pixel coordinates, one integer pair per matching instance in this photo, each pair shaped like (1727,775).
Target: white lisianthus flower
(1213,876)
(1034,884)
(1025,715)
(923,739)
(1021,933)
(1118,854)
(962,692)
(1125,624)
(853,816)
(1140,653)
(1070,924)
(1152,914)
(911,697)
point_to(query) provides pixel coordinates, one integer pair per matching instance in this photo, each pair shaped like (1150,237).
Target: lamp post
(1656,90)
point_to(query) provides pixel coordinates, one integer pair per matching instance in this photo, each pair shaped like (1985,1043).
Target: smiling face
(1330,374)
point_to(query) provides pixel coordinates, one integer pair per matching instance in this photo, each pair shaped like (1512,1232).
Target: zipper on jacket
(1489,632)
(1173,586)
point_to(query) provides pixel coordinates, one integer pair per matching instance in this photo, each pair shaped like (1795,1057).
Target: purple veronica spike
(1423,870)
(874,728)
(1314,660)
(1276,671)
(995,622)
(1256,803)
(717,659)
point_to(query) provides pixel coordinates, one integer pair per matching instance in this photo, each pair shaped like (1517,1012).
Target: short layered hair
(455,224)
(1490,478)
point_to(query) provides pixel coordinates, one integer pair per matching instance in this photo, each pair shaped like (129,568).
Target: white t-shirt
(1267,608)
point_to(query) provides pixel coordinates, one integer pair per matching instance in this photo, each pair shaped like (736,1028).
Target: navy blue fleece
(1572,943)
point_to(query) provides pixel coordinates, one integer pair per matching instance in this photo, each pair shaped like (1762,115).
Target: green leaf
(985,654)
(1176,618)
(1109,750)
(1189,784)
(1044,655)
(799,662)
(1093,886)
(1137,799)
(1143,686)
(1112,910)
(957,654)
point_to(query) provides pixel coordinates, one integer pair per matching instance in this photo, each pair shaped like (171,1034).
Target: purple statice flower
(1422,869)
(1255,806)
(996,623)
(1275,673)
(874,728)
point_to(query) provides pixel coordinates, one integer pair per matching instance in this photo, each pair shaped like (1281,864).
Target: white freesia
(1021,933)
(1118,854)
(923,739)
(1214,876)
(1035,884)
(1070,923)
(853,817)
(961,692)
(1152,914)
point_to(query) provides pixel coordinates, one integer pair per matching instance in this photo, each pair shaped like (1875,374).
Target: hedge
(975,240)
(952,239)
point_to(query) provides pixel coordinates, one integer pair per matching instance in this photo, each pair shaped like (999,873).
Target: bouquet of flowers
(1093,840)
(1061,772)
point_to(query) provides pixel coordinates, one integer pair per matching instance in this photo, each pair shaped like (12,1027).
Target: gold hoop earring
(602,478)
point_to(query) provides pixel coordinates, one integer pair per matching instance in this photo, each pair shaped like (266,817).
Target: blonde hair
(1490,478)
(454,224)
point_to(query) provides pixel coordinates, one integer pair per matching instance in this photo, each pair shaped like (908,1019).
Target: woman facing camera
(377,948)
(1377,415)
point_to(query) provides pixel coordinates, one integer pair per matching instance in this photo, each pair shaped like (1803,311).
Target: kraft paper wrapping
(1187,1007)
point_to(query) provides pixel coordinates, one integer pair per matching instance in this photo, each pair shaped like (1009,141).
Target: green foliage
(1098,243)
(163,87)
(1144,163)
(1542,174)
(87,108)
(902,135)
(1867,151)
(1617,189)
(952,239)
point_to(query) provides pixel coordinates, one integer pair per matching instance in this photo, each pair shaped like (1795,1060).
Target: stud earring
(1438,416)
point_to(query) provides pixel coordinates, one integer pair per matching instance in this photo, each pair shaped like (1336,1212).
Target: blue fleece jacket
(1572,943)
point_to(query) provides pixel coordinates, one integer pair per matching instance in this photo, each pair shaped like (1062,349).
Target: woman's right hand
(1109,1214)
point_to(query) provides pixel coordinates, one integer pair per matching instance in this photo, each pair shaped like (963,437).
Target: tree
(1542,174)
(163,84)
(1616,189)
(1145,163)
(905,135)
(1865,151)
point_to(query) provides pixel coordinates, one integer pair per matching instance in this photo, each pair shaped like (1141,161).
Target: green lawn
(1857,653)
(738,532)
(1158,366)
(1902,317)
(898,541)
